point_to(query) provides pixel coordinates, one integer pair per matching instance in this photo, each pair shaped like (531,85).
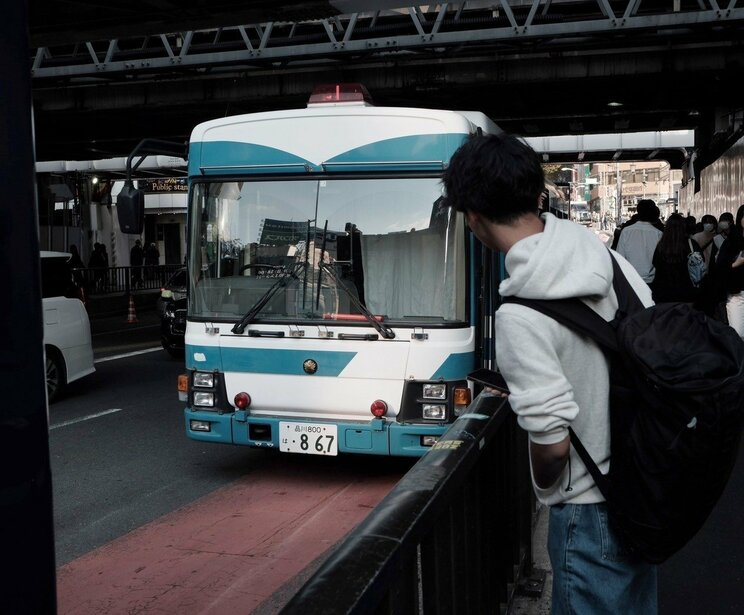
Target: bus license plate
(308,438)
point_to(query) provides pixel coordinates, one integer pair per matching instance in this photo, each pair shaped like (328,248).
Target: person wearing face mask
(713,293)
(705,238)
(712,296)
(730,266)
(725,222)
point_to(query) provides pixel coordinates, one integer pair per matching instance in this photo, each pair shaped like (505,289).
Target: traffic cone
(132,315)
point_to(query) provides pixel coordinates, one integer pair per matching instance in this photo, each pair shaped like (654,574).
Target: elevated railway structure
(538,68)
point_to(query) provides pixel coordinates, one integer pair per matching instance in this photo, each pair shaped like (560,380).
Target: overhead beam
(402,31)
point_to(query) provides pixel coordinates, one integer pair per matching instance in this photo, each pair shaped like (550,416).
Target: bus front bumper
(375,437)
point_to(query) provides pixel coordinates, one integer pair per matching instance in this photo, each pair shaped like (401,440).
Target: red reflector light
(340,93)
(378,408)
(242,400)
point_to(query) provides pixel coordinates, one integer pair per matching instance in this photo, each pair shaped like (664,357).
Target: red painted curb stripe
(225,553)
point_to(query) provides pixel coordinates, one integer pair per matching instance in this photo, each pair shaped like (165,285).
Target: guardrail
(454,536)
(113,280)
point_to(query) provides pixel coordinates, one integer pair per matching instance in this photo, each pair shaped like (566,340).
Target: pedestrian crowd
(683,260)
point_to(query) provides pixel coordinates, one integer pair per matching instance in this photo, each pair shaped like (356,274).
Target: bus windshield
(328,249)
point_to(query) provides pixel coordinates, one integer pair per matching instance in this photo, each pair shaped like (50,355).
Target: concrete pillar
(27,583)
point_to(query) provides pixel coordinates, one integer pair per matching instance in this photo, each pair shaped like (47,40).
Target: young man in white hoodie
(557,378)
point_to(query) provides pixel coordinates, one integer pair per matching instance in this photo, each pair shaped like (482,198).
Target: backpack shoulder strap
(579,317)
(599,479)
(575,315)
(627,299)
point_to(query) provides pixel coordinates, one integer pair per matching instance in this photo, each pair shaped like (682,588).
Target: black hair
(726,215)
(499,176)
(708,219)
(647,210)
(736,230)
(690,224)
(673,245)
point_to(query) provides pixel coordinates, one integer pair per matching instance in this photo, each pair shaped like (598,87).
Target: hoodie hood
(566,260)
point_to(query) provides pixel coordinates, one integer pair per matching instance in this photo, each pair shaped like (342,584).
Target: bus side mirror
(130,209)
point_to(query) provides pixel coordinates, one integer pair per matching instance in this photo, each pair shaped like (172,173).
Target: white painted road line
(123,330)
(128,354)
(85,418)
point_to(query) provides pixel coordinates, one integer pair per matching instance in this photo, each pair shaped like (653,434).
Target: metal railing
(116,280)
(454,536)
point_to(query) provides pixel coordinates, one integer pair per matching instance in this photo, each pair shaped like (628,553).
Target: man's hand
(548,461)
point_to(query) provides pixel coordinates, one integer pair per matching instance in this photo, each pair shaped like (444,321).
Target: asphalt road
(119,454)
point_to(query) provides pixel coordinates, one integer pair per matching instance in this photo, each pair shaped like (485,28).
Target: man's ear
(473,217)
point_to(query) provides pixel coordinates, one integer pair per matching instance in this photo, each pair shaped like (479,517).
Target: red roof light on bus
(340,93)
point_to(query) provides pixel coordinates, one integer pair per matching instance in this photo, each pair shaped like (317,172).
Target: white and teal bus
(580,212)
(334,302)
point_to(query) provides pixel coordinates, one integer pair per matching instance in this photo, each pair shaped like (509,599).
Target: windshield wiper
(382,329)
(266,297)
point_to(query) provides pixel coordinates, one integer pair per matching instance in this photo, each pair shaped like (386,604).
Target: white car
(67,340)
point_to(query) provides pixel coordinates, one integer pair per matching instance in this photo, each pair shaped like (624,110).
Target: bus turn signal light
(461,399)
(183,383)
(462,396)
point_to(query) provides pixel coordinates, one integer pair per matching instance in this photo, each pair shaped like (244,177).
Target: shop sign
(163,185)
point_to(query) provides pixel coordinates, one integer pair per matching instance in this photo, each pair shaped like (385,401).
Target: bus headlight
(434,412)
(200,425)
(203,380)
(203,398)
(435,390)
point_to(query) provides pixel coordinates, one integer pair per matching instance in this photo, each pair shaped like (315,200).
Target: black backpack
(676,414)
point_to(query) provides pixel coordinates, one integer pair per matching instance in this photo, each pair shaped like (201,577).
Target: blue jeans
(592,574)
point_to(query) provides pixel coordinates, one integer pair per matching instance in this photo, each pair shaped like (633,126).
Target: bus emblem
(310,366)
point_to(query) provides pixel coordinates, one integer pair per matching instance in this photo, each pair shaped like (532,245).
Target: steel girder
(440,30)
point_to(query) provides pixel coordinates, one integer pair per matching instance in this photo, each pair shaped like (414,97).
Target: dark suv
(173,327)
(171,308)
(173,290)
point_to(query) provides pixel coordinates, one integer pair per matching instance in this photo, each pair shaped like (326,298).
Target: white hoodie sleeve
(527,346)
